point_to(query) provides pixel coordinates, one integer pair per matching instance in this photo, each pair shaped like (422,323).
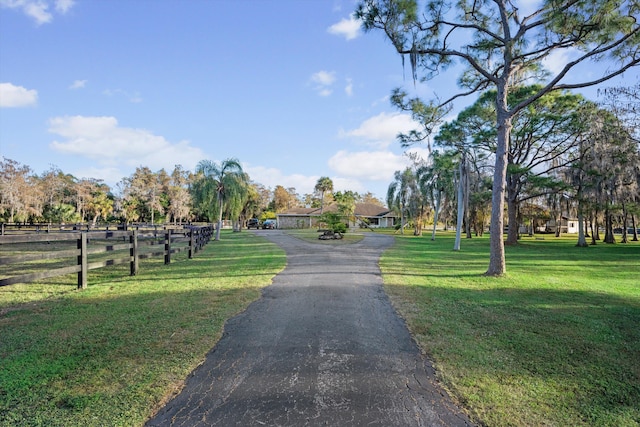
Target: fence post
(167,246)
(133,251)
(82,261)
(191,242)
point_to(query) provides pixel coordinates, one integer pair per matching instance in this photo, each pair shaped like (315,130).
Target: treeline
(568,158)
(146,196)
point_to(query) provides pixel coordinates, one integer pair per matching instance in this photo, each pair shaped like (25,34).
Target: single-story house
(372,215)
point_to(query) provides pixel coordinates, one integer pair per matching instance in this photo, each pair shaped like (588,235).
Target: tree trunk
(635,229)
(625,237)
(456,245)
(435,216)
(582,239)
(220,205)
(467,221)
(608,224)
(497,263)
(586,228)
(512,213)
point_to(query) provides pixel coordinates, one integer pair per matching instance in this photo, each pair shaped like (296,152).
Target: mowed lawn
(556,342)
(111,354)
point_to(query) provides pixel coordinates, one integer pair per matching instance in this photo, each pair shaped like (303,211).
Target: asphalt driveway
(323,346)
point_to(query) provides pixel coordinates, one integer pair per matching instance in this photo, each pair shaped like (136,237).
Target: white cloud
(113,147)
(349,28)
(110,175)
(348,184)
(78,84)
(423,153)
(39,10)
(270,177)
(63,6)
(527,7)
(323,81)
(348,89)
(367,165)
(556,61)
(324,78)
(134,97)
(17,96)
(381,130)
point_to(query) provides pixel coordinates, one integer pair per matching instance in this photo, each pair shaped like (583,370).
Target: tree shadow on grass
(574,351)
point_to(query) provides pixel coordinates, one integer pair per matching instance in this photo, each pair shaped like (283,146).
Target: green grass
(113,353)
(555,342)
(311,235)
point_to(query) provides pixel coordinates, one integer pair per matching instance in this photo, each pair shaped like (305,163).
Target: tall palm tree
(323,185)
(223,182)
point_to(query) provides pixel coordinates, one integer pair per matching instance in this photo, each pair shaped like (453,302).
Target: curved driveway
(323,346)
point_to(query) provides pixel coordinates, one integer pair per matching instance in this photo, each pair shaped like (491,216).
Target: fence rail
(174,240)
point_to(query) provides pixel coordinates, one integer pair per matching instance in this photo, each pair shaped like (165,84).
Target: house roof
(362,209)
(370,210)
(300,211)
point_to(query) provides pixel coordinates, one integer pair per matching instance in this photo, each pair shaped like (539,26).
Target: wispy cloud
(323,82)
(556,61)
(78,84)
(368,165)
(63,6)
(348,28)
(271,177)
(134,97)
(348,89)
(382,130)
(111,146)
(17,96)
(39,10)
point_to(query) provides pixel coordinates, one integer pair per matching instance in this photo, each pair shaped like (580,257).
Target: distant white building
(567,225)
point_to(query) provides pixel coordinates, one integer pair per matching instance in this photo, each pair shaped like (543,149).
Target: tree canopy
(502,48)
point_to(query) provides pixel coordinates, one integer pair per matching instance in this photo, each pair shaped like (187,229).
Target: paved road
(323,346)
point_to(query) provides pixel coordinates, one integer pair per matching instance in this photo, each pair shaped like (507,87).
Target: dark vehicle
(269,224)
(253,223)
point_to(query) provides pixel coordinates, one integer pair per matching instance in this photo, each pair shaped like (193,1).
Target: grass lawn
(111,354)
(311,235)
(555,342)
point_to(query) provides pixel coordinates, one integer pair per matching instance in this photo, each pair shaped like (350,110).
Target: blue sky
(292,88)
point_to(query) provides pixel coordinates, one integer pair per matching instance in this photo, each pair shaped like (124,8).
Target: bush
(340,227)
(333,222)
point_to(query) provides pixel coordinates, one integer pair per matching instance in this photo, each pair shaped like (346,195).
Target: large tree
(500,48)
(219,184)
(436,180)
(543,134)
(178,194)
(19,194)
(404,196)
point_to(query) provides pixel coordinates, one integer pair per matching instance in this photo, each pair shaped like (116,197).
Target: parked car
(253,223)
(269,224)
